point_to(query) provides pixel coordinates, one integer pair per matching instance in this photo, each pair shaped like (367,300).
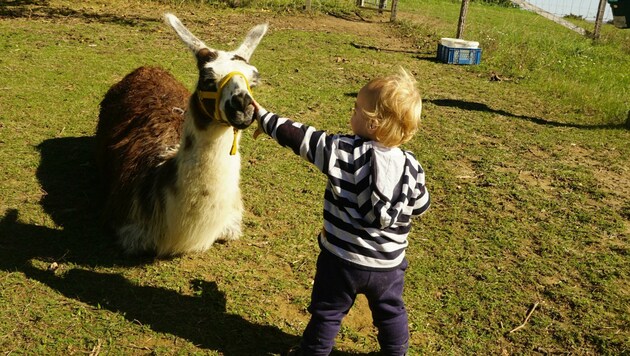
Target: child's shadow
(70,197)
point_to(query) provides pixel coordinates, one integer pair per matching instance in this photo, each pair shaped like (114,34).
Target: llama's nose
(240,101)
(239,110)
(245,100)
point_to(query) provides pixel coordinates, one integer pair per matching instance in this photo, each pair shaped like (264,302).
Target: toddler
(374,189)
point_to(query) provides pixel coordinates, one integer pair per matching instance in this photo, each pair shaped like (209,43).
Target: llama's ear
(189,39)
(252,40)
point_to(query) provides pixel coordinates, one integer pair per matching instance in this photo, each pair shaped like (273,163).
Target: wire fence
(586,9)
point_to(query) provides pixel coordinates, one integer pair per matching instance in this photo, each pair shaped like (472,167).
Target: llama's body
(172,185)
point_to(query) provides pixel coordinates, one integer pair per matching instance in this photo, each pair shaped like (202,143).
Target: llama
(169,159)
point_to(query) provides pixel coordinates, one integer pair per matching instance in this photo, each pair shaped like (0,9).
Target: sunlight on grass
(529,178)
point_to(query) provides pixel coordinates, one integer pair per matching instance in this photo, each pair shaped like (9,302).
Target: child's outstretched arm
(304,140)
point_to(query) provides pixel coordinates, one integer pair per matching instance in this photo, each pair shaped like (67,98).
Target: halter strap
(216,96)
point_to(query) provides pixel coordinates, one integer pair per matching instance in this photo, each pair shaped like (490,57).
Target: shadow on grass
(70,197)
(69,181)
(356,16)
(41,9)
(201,319)
(474,106)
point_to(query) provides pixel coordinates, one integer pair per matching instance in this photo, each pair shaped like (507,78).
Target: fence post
(392,16)
(462,19)
(599,19)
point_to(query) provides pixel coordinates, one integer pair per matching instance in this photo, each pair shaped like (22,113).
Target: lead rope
(216,96)
(237,134)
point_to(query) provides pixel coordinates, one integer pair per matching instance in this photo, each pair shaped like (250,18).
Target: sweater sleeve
(422,200)
(305,141)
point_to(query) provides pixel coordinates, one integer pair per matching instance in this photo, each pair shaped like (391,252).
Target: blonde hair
(397,110)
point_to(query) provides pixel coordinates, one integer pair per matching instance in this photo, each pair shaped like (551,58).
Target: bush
(505,3)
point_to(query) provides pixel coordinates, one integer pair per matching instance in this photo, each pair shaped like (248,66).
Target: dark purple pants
(336,287)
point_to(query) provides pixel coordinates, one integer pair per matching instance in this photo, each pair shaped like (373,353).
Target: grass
(529,177)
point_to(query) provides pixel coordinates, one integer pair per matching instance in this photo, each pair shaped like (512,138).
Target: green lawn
(529,176)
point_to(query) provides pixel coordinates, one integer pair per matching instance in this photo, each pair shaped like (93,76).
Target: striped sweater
(371,194)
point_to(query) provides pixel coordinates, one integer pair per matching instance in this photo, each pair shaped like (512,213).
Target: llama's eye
(207,76)
(236,57)
(255,79)
(208,82)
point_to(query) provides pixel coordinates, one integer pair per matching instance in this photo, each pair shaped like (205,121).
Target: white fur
(207,205)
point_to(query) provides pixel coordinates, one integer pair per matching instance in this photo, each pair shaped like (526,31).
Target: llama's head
(225,78)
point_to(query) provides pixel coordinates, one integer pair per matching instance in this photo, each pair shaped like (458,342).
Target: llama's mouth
(240,111)
(242,121)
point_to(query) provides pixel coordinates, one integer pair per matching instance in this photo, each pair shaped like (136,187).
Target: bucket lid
(458,43)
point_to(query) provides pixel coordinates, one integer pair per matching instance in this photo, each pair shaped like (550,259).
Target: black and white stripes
(364,224)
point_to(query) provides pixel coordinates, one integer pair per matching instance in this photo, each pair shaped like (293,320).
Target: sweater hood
(391,202)
(391,177)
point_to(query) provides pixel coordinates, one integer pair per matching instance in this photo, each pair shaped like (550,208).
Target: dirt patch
(360,316)
(377,32)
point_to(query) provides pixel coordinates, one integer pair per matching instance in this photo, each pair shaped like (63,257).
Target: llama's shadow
(70,197)
(201,319)
(69,183)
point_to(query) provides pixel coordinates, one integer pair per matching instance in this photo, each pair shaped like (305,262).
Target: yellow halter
(216,96)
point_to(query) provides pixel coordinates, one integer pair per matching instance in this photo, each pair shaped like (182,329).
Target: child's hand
(257,111)
(255,103)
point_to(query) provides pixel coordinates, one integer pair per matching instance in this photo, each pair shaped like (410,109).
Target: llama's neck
(204,153)
(212,143)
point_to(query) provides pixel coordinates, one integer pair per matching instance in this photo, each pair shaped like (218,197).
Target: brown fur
(141,117)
